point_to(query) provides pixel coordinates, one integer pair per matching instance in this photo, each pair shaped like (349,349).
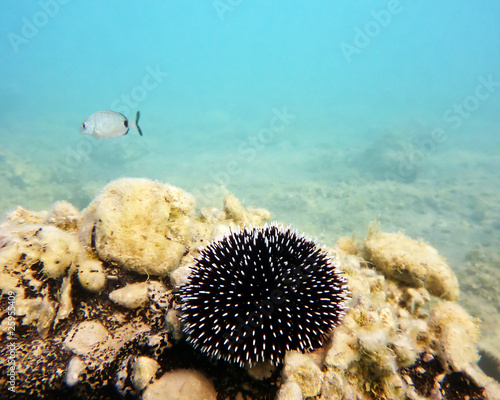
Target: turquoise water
(327,113)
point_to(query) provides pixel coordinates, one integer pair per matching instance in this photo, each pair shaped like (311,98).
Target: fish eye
(84,125)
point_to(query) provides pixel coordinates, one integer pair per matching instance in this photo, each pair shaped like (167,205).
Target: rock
(40,311)
(59,250)
(405,351)
(43,258)
(180,275)
(22,216)
(457,333)
(65,302)
(250,216)
(414,263)
(290,391)
(132,296)
(376,357)
(300,368)
(74,371)
(71,339)
(334,387)
(342,353)
(64,215)
(91,275)
(222,229)
(174,324)
(181,385)
(136,295)
(143,371)
(261,370)
(84,337)
(212,215)
(142,225)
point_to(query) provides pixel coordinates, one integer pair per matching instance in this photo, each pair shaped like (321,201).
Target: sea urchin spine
(256,293)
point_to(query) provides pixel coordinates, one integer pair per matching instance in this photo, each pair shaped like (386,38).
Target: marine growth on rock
(256,293)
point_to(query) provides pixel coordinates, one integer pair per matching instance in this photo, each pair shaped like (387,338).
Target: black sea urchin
(258,292)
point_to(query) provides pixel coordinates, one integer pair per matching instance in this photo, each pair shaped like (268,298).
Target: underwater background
(329,114)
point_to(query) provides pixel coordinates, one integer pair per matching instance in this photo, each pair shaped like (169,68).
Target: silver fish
(108,124)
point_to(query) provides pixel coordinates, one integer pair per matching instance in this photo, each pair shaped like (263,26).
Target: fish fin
(137,116)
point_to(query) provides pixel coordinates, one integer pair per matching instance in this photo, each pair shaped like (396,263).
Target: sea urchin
(258,292)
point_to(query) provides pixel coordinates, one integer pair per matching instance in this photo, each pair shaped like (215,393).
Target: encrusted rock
(143,371)
(135,295)
(396,340)
(290,391)
(64,215)
(132,296)
(59,251)
(140,224)
(84,337)
(74,371)
(458,335)
(181,385)
(244,216)
(414,263)
(22,216)
(91,275)
(301,368)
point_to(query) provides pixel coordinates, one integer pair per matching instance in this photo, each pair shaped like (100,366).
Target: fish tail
(137,116)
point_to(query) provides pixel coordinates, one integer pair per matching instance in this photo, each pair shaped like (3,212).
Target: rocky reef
(88,310)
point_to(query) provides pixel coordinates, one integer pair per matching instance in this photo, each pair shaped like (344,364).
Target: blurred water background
(329,114)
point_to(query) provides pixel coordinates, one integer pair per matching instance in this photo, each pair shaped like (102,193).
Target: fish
(108,124)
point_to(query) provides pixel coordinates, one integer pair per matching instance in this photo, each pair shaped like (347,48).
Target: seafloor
(445,193)
(92,293)
(327,189)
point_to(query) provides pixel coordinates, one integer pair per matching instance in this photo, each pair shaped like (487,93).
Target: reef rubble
(88,310)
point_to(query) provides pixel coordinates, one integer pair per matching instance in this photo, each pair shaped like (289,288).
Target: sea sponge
(140,224)
(414,263)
